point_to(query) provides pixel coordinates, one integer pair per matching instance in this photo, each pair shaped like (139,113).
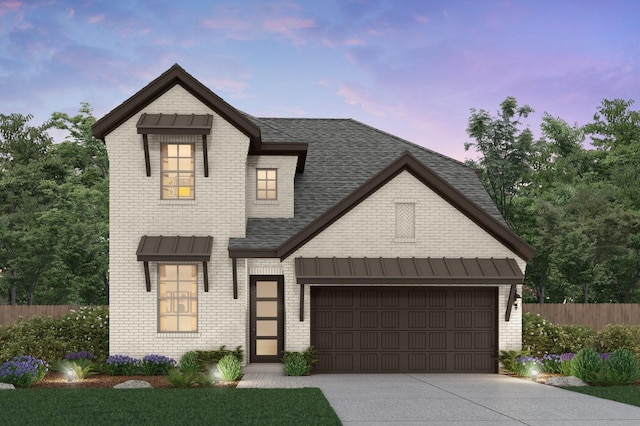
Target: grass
(625,394)
(306,406)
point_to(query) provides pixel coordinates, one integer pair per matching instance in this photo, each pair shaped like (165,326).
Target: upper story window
(266,184)
(178,173)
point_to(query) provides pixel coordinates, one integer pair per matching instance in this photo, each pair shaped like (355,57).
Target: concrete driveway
(448,399)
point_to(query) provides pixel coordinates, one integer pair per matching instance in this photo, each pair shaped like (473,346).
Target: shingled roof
(342,155)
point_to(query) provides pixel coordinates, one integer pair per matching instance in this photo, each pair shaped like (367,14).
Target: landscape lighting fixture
(534,375)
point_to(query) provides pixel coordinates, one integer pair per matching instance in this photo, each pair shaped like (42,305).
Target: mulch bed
(57,380)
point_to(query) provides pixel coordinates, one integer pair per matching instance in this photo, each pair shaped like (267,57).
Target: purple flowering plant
(153,365)
(23,371)
(122,365)
(524,364)
(551,363)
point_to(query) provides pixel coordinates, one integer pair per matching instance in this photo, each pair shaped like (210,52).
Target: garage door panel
(416,329)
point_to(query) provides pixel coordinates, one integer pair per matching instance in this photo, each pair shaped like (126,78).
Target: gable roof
(176,75)
(346,162)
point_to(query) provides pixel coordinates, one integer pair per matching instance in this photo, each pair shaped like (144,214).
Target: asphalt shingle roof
(342,155)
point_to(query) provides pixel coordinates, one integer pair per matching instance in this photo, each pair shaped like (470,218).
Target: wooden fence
(595,315)
(11,313)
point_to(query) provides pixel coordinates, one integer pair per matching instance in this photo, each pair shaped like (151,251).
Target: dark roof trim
(175,75)
(402,271)
(427,176)
(175,124)
(249,253)
(176,248)
(284,148)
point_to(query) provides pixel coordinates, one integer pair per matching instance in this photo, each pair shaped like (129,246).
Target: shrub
(50,339)
(551,363)
(539,336)
(507,358)
(620,368)
(296,365)
(619,336)
(178,379)
(206,359)
(524,364)
(205,380)
(586,364)
(189,362)
(78,365)
(309,355)
(572,338)
(154,365)
(565,363)
(229,368)
(23,371)
(121,365)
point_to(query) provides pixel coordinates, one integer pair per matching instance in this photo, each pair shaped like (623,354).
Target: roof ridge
(262,123)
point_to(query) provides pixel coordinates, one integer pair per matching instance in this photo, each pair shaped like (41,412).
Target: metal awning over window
(175,124)
(175,249)
(407,271)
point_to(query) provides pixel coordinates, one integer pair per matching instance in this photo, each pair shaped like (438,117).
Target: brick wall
(369,230)
(283,206)
(136,210)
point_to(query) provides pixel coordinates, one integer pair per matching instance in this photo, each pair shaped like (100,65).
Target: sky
(412,68)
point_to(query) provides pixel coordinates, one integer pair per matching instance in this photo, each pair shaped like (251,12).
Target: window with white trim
(177,298)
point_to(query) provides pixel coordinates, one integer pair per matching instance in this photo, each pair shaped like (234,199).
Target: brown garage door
(404,329)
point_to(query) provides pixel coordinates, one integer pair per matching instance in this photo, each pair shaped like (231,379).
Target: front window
(178,174)
(178,298)
(266,184)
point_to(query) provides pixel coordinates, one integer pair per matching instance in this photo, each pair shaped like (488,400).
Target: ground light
(534,375)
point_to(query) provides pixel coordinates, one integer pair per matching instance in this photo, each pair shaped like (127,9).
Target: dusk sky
(413,68)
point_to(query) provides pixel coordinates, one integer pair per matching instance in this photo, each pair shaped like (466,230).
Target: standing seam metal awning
(175,124)
(406,271)
(175,249)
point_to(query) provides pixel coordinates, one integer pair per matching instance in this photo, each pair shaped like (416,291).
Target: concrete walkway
(448,399)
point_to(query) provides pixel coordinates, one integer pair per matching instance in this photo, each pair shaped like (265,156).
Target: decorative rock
(133,384)
(565,381)
(6,386)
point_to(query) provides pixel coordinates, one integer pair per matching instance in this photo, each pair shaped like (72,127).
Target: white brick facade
(424,225)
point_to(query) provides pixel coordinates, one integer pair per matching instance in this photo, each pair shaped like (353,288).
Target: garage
(395,329)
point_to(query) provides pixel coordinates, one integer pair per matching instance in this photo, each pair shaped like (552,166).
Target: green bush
(620,368)
(507,358)
(586,364)
(189,363)
(619,336)
(229,368)
(85,329)
(572,338)
(208,358)
(296,365)
(539,336)
(178,379)
(309,355)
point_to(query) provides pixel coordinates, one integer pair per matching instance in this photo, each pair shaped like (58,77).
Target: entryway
(267,318)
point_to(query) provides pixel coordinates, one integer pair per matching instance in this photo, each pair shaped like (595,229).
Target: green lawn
(165,407)
(626,394)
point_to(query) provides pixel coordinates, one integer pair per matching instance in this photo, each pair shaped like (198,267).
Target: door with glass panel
(267,318)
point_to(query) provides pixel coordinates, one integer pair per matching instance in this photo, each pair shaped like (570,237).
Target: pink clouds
(10,6)
(96,18)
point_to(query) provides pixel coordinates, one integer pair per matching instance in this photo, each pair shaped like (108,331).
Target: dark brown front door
(267,318)
(404,329)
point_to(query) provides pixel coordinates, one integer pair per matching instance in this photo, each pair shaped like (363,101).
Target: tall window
(177,298)
(266,184)
(178,177)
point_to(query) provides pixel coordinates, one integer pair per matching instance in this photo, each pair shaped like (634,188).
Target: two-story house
(280,233)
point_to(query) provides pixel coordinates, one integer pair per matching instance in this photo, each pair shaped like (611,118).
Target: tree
(505,153)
